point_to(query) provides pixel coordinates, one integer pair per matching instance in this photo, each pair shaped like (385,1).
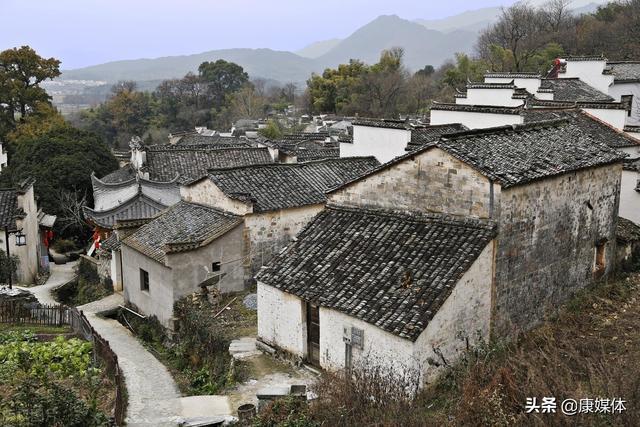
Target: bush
(63,246)
(86,288)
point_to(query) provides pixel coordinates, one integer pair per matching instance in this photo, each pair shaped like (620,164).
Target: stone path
(153,395)
(60,274)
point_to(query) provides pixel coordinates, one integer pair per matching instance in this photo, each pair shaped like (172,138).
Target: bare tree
(71,204)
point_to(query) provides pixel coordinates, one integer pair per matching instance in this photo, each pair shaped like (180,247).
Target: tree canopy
(21,72)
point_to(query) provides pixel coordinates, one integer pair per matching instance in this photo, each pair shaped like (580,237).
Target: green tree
(61,159)
(222,78)
(21,72)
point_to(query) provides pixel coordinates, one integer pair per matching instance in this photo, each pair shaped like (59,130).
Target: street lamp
(21,240)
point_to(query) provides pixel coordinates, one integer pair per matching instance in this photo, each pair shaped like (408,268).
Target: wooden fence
(58,315)
(33,314)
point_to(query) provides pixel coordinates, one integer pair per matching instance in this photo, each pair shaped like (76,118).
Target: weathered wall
(182,275)
(433,181)
(28,254)
(268,232)
(547,235)
(383,143)
(629,197)
(465,314)
(474,120)
(282,320)
(205,192)
(190,268)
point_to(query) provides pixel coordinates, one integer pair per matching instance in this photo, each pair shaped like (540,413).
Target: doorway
(313,334)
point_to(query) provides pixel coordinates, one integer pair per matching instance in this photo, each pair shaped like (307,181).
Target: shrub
(64,245)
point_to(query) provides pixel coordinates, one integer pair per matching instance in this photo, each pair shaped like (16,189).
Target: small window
(215,267)
(144,280)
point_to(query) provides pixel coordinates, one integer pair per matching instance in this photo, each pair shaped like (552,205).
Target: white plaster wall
(636,135)
(383,143)
(531,85)
(495,97)
(474,120)
(615,118)
(166,195)
(205,192)
(629,197)
(158,301)
(381,348)
(633,152)
(618,89)
(282,320)
(545,96)
(589,72)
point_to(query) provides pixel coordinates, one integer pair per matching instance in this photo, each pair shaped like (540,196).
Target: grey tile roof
(625,71)
(137,207)
(306,150)
(392,270)
(8,208)
(182,227)
(381,123)
(111,243)
(483,85)
(124,174)
(586,58)
(302,136)
(627,231)
(216,141)
(476,108)
(280,186)
(515,155)
(422,135)
(632,128)
(164,164)
(573,90)
(513,75)
(589,124)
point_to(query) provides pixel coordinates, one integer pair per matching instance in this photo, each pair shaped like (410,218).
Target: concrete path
(60,274)
(153,395)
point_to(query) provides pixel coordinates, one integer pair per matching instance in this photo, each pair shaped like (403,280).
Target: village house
(19,227)
(3,157)
(275,200)
(298,151)
(229,224)
(180,251)
(619,79)
(151,183)
(482,231)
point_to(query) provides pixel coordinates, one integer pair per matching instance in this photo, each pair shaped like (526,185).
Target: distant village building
(294,151)
(482,231)
(3,157)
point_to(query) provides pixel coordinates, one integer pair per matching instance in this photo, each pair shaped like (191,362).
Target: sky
(88,32)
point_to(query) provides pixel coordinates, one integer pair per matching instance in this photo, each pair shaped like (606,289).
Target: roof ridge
(439,217)
(499,129)
(290,165)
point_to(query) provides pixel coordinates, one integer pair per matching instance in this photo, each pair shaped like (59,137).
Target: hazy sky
(86,32)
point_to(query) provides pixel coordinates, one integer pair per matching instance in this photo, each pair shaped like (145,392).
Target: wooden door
(313,334)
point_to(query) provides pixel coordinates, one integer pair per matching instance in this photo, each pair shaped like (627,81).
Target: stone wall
(205,192)
(268,232)
(547,237)
(433,181)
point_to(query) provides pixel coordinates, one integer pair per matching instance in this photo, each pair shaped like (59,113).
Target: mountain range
(424,42)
